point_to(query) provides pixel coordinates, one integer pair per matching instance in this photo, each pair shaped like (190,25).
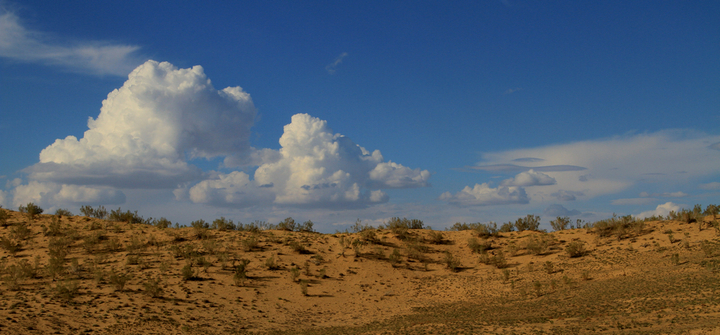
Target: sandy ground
(345,287)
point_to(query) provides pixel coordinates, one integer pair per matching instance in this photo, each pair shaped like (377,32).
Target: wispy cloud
(331,68)
(95,57)
(513,90)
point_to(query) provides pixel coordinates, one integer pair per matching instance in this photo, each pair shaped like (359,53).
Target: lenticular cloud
(148,129)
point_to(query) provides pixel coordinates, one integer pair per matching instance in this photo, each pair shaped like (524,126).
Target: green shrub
(538,244)
(223,224)
(306,226)
(162,223)
(118,280)
(153,288)
(270,263)
(395,257)
(54,228)
(436,237)
(575,248)
(63,212)
(240,275)
(560,223)
(507,227)
(127,216)
(4,216)
(298,247)
(31,210)
(477,246)
(530,222)
(9,245)
(187,272)
(66,291)
(20,231)
(200,228)
(288,224)
(250,243)
(294,273)
(99,213)
(452,262)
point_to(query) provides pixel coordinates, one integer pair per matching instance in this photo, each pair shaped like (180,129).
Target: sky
(462,111)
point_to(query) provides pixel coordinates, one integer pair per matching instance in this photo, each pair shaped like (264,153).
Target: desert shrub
(477,246)
(497,260)
(153,288)
(294,273)
(298,247)
(187,272)
(452,262)
(162,223)
(560,223)
(66,291)
(358,227)
(31,210)
(538,244)
(369,235)
(486,229)
(549,267)
(530,222)
(53,229)
(712,210)
(436,237)
(317,259)
(4,216)
(306,226)
(507,227)
(127,216)
(20,231)
(288,224)
(621,227)
(91,241)
(200,228)
(395,257)
(416,251)
(63,212)
(99,213)
(223,224)
(211,246)
(575,248)
(304,287)
(135,245)
(118,279)
(675,259)
(250,243)
(240,275)
(710,248)
(9,245)
(59,247)
(271,264)
(254,227)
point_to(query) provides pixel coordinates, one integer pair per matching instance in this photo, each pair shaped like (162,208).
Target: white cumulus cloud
(529,178)
(95,57)
(484,195)
(149,128)
(662,209)
(315,168)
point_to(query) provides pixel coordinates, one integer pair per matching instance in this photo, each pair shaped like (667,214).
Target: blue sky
(478,110)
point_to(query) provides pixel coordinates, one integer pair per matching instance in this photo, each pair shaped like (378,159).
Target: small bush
(452,262)
(118,280)
(538,244)
(20,231)
(250,243)
(270,263)
(127,216)
(298,247)
(162,223)
(560,223)
(223,224)
(498,260)
(4,216)
(477,246)
(187,272)
(549,267)
(304,287)
(575,248)
(436,237)
(395,258)
(294,273)
(54,228)
(200,228)
(98,213)
(31,210)
(153,288)
(9,245)
(288,224)
(66,291)
(63,212)
(306,226)
(530,222)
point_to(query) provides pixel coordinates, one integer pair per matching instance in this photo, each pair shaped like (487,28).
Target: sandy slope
(346,286)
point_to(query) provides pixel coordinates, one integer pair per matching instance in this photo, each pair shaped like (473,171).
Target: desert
(117,273)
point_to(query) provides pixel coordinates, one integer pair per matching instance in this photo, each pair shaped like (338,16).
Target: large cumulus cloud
(149,128)
(52,195)
(315,167)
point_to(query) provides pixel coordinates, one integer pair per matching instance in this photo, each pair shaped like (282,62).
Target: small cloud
(563,195)
(513,90)
(559,210)
(484,195)
(663,209)
(633,201)
(330,68)
(529,178)
(715,146)
(710,186)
